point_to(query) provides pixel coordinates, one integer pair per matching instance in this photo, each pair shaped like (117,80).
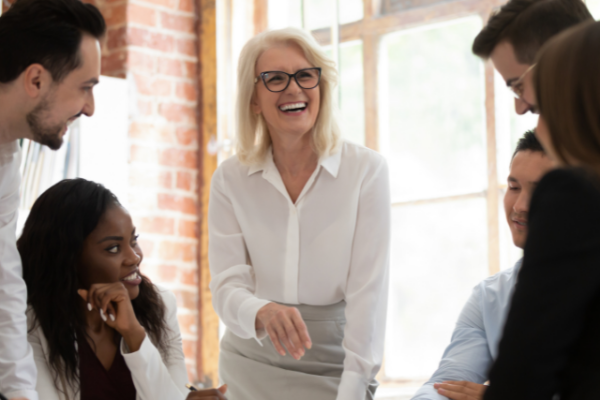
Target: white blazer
(154,379)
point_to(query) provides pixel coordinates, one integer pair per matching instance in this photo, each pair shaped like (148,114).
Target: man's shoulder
(9,168)
(499,287)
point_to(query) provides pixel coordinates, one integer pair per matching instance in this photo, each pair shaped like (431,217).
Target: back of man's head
(527,25)
(46,32)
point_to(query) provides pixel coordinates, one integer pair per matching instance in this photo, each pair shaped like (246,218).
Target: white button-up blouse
(331,245)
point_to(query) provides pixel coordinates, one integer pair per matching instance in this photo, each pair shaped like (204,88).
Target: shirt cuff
(247,317)
(352,387)
(137,356)
(28,394)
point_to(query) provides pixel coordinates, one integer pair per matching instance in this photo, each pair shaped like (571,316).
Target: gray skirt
(254,372)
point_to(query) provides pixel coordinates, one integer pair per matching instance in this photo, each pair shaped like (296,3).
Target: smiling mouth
(294,107)
(520,223)
(131,277)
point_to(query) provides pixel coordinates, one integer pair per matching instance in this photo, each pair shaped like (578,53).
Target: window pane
(432,126)
(352,104)
(319,13)
(439,253)
(510,127)
(594,6)
(285,13)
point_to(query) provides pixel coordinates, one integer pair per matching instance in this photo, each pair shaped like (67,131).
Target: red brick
(143,154)
(188,47)
(187,136)
(151,132)
(179,113)
(139,14)
(186,299)
(176,251)
(158,225)
(179,158)
(114,63)
(171,4)
(184,181)
(153,86)
(188,229)
(150,40)
(167,66)
(186,205)
(167,273)
(116,38)
(140,62)
(190,69)
(186,91)
(179,23)
(186,5)
(188,324)
(115,15)
(189,277)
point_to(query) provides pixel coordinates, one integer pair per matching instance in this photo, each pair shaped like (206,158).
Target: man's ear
(36,80)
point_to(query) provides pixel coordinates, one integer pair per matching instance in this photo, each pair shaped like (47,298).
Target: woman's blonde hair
(253,139)
(567,86)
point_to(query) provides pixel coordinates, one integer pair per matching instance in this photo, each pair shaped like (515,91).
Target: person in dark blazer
(551,341)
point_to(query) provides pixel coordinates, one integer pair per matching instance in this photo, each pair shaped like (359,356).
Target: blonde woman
(298,235)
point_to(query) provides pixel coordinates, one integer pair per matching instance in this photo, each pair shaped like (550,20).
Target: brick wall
(153,44)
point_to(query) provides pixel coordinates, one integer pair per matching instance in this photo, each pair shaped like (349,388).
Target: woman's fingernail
(102,315)
(112,317)
(90,306)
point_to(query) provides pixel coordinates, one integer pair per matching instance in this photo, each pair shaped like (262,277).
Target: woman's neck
(294,156)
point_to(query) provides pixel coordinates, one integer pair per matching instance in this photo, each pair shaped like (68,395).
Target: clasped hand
(285,328)
(112,302)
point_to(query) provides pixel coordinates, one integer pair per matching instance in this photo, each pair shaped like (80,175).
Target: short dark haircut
(527,25)
(528,143)
(46,32)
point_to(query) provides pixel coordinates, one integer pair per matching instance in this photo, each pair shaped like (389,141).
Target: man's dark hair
(528,143)
(46,32)
(527,25)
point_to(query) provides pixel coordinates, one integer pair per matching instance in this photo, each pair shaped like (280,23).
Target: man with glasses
(515,33)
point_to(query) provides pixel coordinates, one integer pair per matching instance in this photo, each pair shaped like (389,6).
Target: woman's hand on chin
(112,301)
(285,327)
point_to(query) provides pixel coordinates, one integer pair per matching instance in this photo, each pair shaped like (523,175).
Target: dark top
(99,384)
(551,341)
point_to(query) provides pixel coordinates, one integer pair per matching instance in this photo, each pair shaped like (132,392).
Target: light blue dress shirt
(474,344)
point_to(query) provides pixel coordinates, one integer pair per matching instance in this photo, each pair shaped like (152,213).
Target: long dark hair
(50,247)
(567,87)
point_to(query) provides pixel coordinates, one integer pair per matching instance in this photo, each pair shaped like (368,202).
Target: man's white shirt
(17,368)
(474,344)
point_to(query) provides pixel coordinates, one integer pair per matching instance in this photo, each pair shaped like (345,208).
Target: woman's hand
(115,308)
(461,390)
(208,394)
(285,327)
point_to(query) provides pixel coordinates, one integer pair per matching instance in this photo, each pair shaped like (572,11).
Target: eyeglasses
(278,81)
(516,86)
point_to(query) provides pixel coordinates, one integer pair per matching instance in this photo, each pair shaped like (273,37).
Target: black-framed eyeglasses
(278,81)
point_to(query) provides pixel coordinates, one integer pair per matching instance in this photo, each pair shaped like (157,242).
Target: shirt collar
(331,163)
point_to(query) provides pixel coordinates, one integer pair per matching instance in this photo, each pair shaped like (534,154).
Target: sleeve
(17,367)
(467,357)
(153,377)
(367,287)
(233,282)
(557,284)
(45,380)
